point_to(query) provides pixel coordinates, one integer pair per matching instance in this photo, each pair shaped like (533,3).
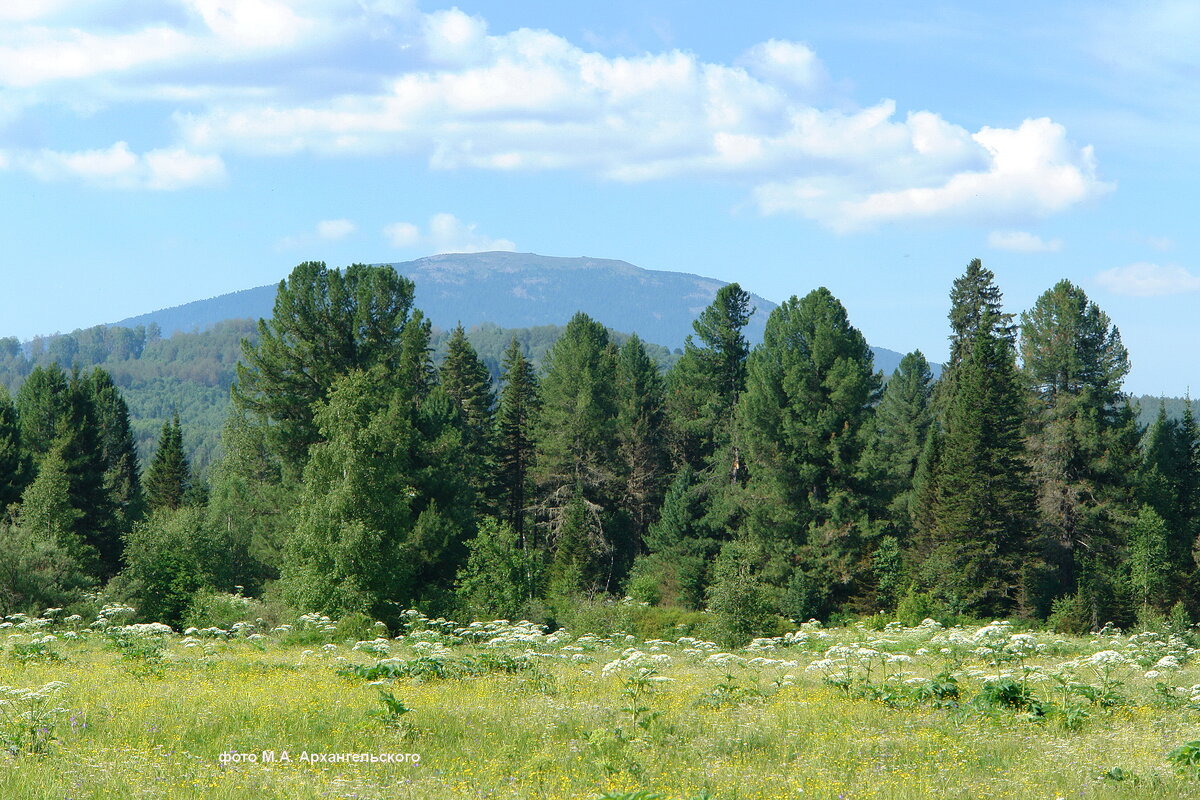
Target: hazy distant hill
(520,290)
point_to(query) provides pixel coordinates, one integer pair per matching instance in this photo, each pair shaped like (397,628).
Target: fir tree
(117,448)
(516,418)
(901,426)
(466,380)
(982,522)
(14,463)
(169,478)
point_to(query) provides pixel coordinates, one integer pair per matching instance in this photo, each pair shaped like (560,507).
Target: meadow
(313,709)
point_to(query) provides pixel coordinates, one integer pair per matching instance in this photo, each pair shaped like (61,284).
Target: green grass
(569,716)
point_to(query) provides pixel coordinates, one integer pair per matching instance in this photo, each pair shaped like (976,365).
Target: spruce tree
(117,448)
(42,402)
(901,426)
(82,451)
(516,417)
(169,477)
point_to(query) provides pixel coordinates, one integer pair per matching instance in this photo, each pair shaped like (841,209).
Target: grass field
(506,711)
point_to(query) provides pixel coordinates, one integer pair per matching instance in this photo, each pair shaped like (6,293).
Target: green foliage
(515,420)
(739,600)
(326,323)
(38,572)
(704,385)
(386,506)
(804,415)
(1149,558)
(169,478)
(214,609)
(983,500)
(1186,759)
(897,438)
(14,462)
(172,556)
(29,719)
(576,465)
(500,578)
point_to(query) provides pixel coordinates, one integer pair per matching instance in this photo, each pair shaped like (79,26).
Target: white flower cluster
(633,658)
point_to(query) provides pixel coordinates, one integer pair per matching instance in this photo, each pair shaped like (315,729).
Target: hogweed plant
(29,718)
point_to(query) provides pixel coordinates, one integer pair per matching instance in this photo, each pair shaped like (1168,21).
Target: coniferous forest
(744,486)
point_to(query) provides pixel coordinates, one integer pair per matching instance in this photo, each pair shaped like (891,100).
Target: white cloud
(1149,280)
(268,77)
(445,233)
(335,228)
(402,234)
(118,167)
(1022,242)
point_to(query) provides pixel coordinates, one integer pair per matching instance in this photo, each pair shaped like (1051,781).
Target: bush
(1070,614)
(37,572)
(210,609)
(172,556)
(604,617)
(916,606)
(740,604)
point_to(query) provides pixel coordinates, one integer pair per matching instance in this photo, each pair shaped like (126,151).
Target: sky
(154,152)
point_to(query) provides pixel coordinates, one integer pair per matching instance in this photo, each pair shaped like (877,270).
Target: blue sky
(154,152)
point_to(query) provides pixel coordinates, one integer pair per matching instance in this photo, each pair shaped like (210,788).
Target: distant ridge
(520,290)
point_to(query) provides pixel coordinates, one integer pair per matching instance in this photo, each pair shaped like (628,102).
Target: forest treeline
(190,373)
(788,480)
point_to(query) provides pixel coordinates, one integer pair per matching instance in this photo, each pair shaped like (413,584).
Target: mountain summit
(519,290)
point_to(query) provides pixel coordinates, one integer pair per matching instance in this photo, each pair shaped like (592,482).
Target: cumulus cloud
(1022,242)
(445,233)
(1149,280)
(442,87)
(118,167)
(332,229)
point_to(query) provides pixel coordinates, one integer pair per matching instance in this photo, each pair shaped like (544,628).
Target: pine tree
(704,385)
(804,415)
(169,478)
(1074,361)
(516,418)
(325,323)
(576,465)
(642,435)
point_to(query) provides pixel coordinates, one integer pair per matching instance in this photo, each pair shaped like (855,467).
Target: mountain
(520,290)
